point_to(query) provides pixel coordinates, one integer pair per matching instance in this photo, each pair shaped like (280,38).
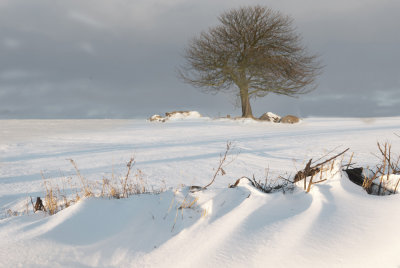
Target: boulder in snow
(290,119)
(270,117)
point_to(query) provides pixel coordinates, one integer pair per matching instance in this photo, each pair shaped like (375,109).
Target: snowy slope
(336,224)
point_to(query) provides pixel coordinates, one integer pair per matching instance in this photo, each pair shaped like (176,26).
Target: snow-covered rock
(270,117)
(176,115)
(157,118)
(183,114)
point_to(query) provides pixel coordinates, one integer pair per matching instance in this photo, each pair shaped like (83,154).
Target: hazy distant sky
(117,59)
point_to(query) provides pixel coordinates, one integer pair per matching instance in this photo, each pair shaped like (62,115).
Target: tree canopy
(252,52)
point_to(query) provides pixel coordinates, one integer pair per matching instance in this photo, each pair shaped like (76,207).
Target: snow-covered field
(337,224)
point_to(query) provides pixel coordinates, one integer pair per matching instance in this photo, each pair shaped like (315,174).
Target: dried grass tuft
(56,198)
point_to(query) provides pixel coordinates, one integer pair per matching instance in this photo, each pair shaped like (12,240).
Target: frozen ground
(336,224)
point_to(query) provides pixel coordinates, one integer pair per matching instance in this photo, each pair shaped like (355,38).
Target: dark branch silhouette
(254,51)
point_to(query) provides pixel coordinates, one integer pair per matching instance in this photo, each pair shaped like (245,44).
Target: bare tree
(255,49)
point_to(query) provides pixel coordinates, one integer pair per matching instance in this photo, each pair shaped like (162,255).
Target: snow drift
(336,224)
(333,226)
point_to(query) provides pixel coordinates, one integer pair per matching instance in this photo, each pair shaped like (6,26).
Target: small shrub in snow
(269,186)
(312,174)
(385,178)
(309,175)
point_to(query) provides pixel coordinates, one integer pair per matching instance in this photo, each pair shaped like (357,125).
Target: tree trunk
(245,100)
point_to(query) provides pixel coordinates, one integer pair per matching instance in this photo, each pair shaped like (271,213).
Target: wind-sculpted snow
(337,224)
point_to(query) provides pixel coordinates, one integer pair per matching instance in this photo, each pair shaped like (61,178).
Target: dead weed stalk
(56,199)
(222,164)
(380,180)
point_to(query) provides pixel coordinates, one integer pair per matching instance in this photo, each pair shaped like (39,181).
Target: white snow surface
(337,224)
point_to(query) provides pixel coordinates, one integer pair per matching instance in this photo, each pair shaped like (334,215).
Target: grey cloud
(117,59)
(85,20)
(11,43)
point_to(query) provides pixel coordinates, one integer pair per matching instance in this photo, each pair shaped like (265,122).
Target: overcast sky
(118,59)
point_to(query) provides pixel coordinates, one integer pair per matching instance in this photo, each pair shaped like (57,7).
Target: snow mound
(176,115)
(157,118)
(270,117)
(183,114)
(231,227)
